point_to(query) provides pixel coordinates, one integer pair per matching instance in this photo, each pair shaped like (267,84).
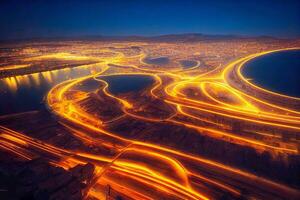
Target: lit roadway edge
(174,181)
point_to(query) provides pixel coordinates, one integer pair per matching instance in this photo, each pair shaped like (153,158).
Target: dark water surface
(278,72)
(26,93)
(188,63)
(157,61)
(127,83)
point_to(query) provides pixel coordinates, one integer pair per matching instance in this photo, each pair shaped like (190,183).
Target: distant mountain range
(188,37)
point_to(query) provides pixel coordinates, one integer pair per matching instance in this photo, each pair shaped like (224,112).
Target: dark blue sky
(29,18)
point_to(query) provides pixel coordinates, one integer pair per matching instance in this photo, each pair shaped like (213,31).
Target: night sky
(30,19)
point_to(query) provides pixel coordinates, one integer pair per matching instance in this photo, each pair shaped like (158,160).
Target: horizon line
(142,36)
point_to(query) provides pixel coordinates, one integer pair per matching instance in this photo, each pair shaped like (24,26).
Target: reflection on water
(26,92)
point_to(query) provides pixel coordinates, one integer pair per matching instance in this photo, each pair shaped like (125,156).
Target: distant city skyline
(31,19)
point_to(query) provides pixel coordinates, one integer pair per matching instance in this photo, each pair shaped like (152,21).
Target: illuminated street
(146,140)
(149,100)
